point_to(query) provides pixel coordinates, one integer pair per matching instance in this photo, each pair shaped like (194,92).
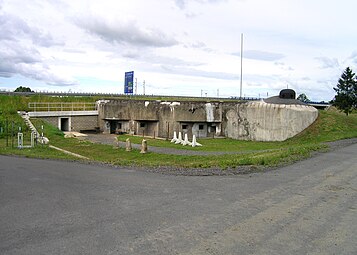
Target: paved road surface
(54,207)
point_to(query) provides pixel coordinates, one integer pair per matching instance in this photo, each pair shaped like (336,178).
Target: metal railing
(61,106)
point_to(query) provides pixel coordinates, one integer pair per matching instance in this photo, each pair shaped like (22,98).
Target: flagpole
(241,64)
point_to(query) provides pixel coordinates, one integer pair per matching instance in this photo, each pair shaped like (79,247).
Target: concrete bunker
(274,119)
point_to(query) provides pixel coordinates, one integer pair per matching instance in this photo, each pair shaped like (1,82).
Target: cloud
(13,28)
(180,70)
(13,59)
(354,57)
(147,56)
(17,55)
(72,50)
(170,61)
(261,55)
(199,45)
(182,4)
(27,62)
(306,78)
(283,66)
(125,33)
(328,62)
(20,47)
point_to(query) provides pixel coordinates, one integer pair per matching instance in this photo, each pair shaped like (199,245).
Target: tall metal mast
(241,64)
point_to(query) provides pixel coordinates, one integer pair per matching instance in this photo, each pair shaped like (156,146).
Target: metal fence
(61,107)
(120,95)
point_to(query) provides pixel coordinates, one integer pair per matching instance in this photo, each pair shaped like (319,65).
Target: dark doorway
(115,127)
(65,124)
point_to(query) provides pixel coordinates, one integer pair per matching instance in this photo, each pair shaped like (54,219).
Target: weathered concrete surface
(53,207)
(161,118)
(257,121)
(260,121)
(77,120)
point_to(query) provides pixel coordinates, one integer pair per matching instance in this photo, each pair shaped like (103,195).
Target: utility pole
(136,86)
(217,92)
(144,87)
(241,64)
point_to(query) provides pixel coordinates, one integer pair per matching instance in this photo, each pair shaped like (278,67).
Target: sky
(178,47)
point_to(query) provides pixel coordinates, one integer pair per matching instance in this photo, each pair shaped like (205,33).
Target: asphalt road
(54,207)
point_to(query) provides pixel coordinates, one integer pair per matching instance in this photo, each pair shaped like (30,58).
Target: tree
(303,98)
(23,89)
(346,92)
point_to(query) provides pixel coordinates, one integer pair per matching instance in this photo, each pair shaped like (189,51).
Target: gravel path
(110,139)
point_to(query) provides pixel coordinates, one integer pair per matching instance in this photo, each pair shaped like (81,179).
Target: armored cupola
(287,94)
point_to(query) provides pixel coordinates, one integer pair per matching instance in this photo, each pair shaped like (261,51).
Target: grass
(108,154)
(209,144)
(331,125)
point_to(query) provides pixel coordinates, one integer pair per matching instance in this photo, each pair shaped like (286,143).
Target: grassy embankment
(330,126)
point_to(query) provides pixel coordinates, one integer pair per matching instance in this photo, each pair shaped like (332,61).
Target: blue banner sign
(129,82)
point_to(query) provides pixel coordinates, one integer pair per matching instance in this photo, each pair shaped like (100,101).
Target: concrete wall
(76,123)
(84,123)
(257,121)
(260,121)
(161,118)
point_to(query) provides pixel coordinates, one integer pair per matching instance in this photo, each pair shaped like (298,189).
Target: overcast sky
(179,47)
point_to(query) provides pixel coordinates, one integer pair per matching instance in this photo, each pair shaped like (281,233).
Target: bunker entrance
(118,127)
(64,124)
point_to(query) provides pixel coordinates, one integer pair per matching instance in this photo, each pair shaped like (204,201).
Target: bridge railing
(64,106)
